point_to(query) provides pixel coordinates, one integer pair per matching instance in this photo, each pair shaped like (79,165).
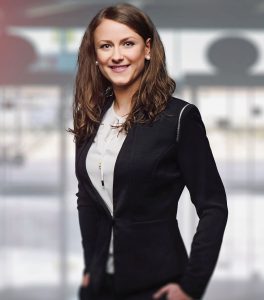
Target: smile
(119,68)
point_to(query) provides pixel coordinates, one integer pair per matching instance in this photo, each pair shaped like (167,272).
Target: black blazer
(155,163)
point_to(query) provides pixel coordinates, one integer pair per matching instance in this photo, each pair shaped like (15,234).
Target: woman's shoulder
(176,106)
(179,111)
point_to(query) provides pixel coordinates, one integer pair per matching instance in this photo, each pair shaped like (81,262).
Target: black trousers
(108,292)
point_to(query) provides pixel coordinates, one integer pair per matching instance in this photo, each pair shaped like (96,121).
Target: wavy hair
(92,89)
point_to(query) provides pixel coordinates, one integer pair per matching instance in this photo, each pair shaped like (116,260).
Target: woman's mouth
(119,68)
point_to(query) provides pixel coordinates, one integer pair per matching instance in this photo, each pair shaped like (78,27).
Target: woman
(137,147)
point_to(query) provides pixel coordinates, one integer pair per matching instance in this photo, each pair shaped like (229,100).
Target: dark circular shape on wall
(232,54)
(16,53)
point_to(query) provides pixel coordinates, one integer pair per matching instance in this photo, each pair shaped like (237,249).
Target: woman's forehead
(112,30)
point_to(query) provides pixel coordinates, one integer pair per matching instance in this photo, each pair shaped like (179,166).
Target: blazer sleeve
(208,195)
(88,219)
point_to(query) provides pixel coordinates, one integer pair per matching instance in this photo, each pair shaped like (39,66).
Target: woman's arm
(208,195)
(88,219)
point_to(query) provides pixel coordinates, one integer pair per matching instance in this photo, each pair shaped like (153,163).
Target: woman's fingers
(161,292)
(86,279)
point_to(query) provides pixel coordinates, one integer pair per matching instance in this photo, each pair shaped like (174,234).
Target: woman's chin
(120,85)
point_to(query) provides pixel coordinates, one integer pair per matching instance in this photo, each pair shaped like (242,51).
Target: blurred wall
(214,52)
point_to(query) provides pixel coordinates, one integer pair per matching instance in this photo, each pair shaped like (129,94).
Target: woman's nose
(117,55)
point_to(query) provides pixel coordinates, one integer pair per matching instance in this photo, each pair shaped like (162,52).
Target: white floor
(30,256)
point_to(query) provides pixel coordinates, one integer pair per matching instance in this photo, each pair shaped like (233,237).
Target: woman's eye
(129,44)
(105,46)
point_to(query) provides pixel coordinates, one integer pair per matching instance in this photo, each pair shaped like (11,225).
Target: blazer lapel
(122,162)
(122,176)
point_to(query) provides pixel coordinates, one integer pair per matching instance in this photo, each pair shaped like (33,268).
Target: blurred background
(214,52)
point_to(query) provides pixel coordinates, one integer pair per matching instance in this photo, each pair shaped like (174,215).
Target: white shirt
(105,148)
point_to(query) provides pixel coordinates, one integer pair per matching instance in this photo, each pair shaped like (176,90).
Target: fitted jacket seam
(179,122)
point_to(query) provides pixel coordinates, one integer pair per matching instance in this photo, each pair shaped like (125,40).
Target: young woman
(137,147)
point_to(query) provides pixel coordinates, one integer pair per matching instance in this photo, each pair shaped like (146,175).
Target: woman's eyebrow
(123,40)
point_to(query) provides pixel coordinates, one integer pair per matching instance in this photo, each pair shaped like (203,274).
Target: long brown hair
(92,88)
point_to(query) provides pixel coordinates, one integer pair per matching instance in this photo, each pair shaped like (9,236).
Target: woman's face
(120,53)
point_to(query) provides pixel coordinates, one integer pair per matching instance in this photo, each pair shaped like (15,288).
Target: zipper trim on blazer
(179,122)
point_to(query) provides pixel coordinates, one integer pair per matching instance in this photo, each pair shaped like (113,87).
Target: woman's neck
(123,97)
(122,102)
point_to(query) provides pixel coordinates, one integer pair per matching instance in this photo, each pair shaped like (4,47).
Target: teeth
(117,67)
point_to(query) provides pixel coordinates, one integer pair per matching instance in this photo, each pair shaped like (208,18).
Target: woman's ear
(147,48)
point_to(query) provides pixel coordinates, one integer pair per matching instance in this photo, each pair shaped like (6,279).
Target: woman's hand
(85,280)
(173,292)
